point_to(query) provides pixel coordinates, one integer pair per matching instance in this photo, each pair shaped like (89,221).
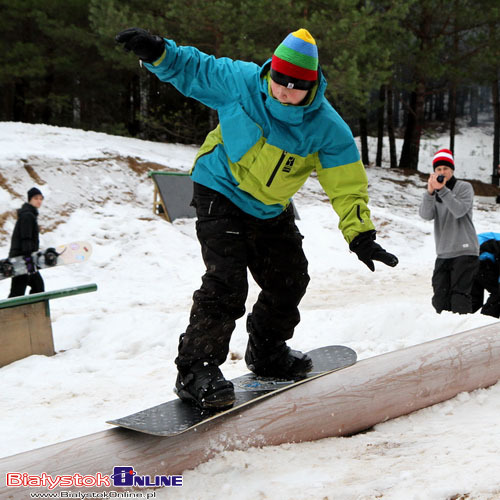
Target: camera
(440,178)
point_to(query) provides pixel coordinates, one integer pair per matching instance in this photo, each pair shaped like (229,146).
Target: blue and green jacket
(263,151)
(489,246)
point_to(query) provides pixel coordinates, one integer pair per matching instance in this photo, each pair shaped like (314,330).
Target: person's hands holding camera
(435,182)
(143,44)
(364,246)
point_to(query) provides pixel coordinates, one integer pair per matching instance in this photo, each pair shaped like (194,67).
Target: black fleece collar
(28,207)
(451,183)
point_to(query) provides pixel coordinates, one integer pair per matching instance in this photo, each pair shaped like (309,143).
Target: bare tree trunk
(395,108)
(46,111)
(413,132)
(439,114)
(453,87)
(474,105)
(390,128)
(138,101)
(496,135)
(380,126)
(19,108)
(363,133)
(453,114)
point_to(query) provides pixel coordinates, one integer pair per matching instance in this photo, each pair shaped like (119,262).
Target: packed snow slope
(116,347)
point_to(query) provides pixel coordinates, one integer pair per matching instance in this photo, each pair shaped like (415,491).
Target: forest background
(395,68)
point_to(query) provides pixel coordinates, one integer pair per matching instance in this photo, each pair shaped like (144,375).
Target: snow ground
(115,348)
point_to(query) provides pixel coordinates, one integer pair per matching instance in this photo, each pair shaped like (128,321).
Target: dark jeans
(452,283)
(232,242)
(19,284)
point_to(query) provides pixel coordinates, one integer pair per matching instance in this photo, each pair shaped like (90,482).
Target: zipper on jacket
(358,212)
(276,168)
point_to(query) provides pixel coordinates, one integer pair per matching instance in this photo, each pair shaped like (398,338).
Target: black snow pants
(452,283)
(19,284)
(487,279)
(232,242)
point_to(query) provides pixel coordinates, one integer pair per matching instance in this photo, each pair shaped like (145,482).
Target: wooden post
(26,330)
(158,206)
(26,326)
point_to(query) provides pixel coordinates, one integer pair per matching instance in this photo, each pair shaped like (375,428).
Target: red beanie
(443,157)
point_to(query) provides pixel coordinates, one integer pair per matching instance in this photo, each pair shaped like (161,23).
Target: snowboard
(176,416)
(77,251)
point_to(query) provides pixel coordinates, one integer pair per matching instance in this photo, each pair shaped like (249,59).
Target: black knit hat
(33,192)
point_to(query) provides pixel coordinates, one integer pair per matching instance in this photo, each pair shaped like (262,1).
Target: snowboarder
(275,128)
(488,276)
(25,241)
(449,202)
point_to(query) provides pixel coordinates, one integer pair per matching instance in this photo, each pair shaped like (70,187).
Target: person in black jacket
(25,241)
(488,276)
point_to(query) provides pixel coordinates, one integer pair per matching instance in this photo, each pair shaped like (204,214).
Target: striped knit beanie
(295,61)
(443,157)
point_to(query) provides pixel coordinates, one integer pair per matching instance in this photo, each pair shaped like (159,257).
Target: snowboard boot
(204,385)
(275,359)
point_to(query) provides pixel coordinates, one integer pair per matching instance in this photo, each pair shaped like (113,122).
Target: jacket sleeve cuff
(443,191)
(160,59)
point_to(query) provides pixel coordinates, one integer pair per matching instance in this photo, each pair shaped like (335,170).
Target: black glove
(30,264)
(50,256)
(143,44)
(364,246)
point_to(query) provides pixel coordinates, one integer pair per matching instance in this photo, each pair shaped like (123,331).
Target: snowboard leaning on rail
(70,253)
(176,416)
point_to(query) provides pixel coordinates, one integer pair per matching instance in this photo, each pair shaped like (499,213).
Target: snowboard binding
(6,268)
(49,258)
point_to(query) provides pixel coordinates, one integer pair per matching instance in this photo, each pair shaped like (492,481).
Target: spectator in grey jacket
(448,202)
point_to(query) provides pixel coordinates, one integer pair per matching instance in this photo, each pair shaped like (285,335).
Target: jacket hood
(27,208)
(293,115)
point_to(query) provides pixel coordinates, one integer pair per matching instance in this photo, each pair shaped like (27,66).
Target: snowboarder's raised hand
(364,246)
(143,44)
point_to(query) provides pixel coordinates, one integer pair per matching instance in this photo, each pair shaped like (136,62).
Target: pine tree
(357,52)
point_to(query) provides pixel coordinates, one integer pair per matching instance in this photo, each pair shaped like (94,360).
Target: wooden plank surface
(42,341)
(339,404)
(25,330)
(14,335)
